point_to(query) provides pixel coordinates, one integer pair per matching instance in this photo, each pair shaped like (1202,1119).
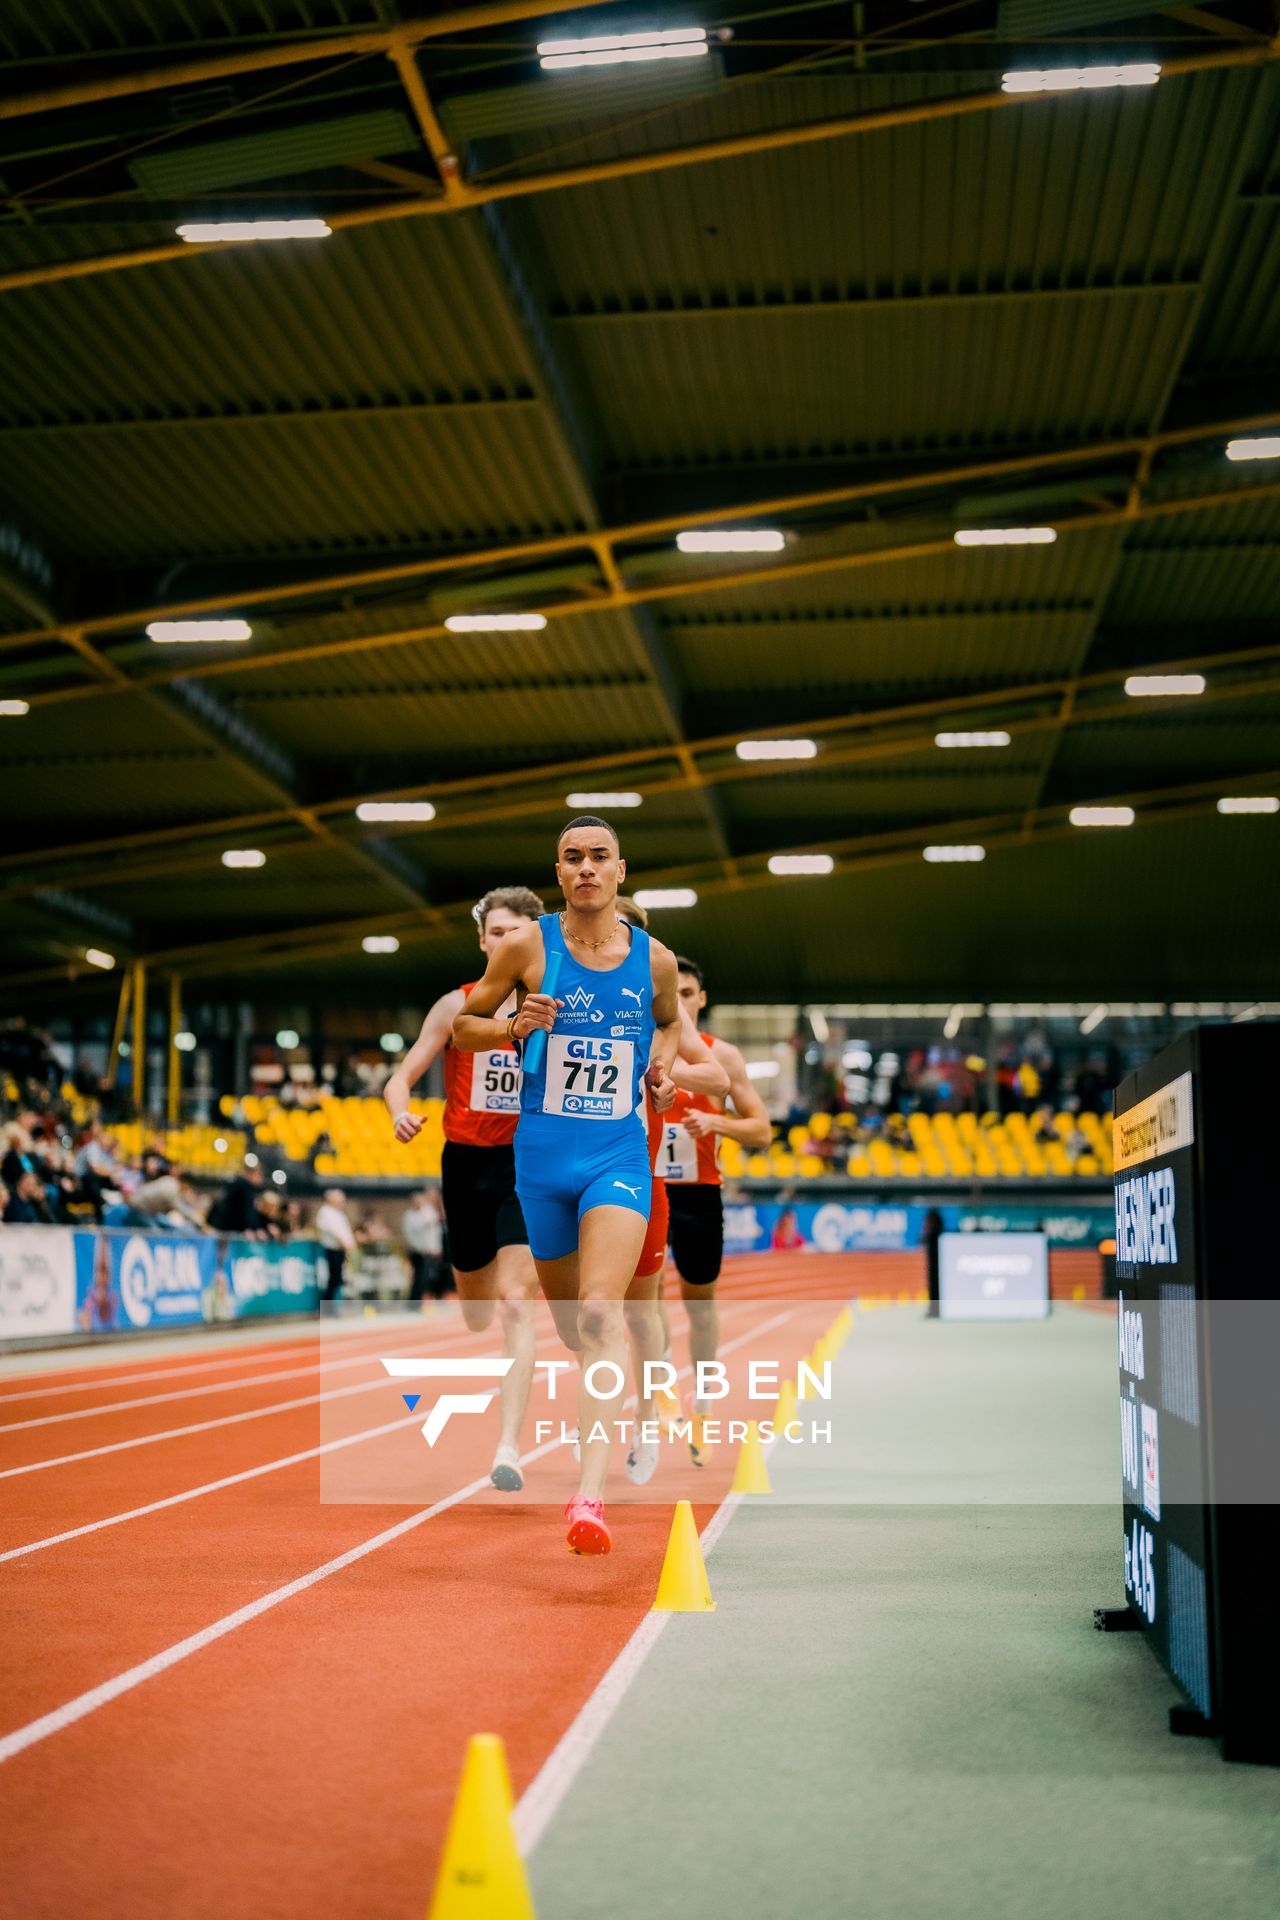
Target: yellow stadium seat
(811,1166)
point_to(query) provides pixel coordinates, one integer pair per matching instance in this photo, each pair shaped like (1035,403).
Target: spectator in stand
(334,1232)
(169,1201)
(95,1167)
(270,1217)
(26,1205)
(235,1209)
(4,1201)
(1044,1133)
(423,1232)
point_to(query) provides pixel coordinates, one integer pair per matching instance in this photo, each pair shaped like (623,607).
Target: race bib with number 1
(678,1154)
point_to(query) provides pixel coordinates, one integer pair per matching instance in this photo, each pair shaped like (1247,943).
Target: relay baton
(536,1045)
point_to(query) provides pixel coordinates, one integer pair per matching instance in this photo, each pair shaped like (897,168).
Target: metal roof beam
(623,598)
(877,303)
(857,853)
(886,734)
(274,416)
(896,486)
(481,193)
(338,46)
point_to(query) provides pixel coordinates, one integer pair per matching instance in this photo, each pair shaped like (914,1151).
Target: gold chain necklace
(578,939)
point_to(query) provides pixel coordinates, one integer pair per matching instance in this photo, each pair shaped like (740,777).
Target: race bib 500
(495,1082)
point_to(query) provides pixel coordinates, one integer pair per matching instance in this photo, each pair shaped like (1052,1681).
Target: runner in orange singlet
(694,1072)
(488,1242)
(688,1165)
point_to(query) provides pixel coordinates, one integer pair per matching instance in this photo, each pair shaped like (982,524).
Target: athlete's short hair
(589,820)
(631,910)
(685,965)
(520,900)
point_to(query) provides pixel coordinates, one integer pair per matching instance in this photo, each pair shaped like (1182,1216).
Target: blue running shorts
(563,1169)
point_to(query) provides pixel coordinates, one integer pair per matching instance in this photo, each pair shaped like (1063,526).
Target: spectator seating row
(356,1142)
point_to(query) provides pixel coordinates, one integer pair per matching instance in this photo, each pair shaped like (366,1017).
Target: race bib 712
(589,1079)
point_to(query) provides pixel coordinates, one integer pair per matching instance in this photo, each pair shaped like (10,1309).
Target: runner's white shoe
(642,1462)
(506,1473)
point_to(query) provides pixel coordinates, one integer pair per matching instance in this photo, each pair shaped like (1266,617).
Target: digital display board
(1199,1390)
(993,1276)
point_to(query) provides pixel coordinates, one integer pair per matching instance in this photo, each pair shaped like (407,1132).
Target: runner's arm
(517,959)
(430,1043)
(696,1069)
(749,1123)
(666,1024)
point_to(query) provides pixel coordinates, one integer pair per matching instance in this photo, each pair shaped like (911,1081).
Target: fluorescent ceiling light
(762,1069)
(185,1042)
(1148,686)
(1005,536)
(496,622)
(1265,448)
(395,810)
(616,49)
(996,738)
(97,958)
(380,943)
(170,632)
(777,749)
(287,1039)
(391,1043)
(665,897)
(244,857)
(206,232)
(1101,816)
(944,854)
(1076,79)
(1250,803)
(732,540)
(604,799)
(14,708)
(1094,1019)
(801,863)
(952,1026)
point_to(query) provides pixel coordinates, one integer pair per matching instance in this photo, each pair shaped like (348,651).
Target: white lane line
(214,1486)
(210,1486)
(86,1703)
(197,1426)
(543,1797)
(101,1696)
(92,1377)
(215,1386)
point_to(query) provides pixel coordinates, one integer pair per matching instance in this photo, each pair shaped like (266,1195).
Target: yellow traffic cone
(683,1587)
(751,1475)
(482,1875)
(785,1411)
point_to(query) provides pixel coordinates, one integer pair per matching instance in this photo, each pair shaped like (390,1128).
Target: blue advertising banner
(128,1281)
(759,1226)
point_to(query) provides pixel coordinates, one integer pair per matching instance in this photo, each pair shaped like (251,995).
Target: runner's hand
(408,1125)
(662,1089)
(537,1010)
(698,1125)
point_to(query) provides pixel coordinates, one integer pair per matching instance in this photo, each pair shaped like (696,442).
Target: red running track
(304,1760)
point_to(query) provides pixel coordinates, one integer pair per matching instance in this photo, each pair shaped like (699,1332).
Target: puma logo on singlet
(633,995)
(633,1191)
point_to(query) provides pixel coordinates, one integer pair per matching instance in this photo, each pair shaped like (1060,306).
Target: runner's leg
(610,1239)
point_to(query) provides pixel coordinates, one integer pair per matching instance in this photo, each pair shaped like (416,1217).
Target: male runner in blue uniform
(582,1158)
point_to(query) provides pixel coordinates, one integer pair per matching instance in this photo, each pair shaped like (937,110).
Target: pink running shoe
(587,1530)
